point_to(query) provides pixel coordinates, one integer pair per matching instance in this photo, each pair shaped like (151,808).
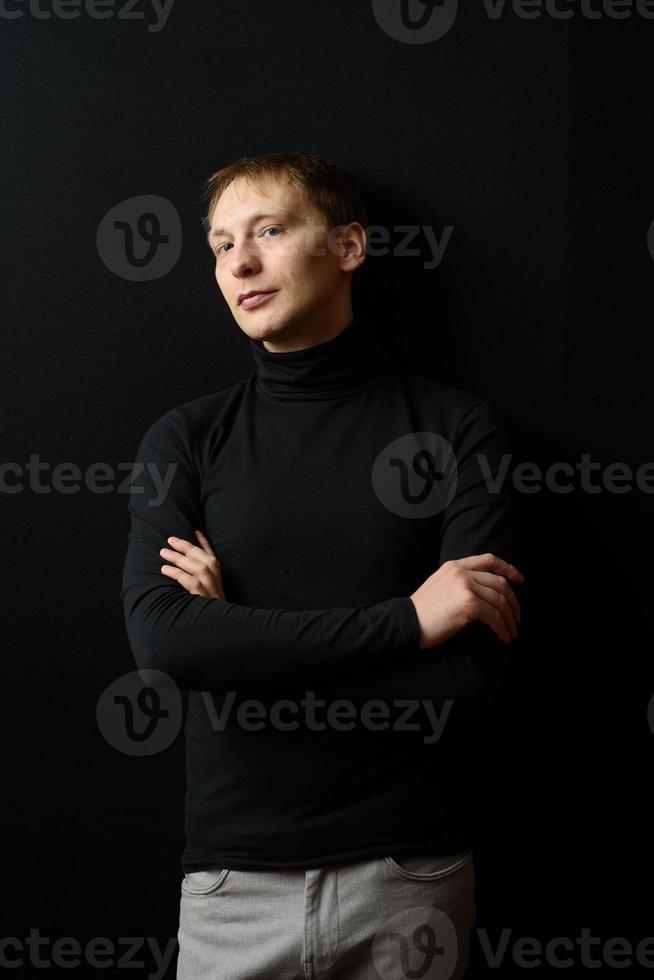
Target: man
(329,541)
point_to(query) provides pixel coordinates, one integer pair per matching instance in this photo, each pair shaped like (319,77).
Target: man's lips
(248,300)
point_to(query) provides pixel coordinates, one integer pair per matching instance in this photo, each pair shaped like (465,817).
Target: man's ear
(353,242)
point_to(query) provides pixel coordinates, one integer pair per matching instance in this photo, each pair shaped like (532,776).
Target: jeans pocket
(427,867)
(204,882)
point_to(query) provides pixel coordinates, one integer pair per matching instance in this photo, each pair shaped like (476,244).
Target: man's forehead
(246,203)
(240,198)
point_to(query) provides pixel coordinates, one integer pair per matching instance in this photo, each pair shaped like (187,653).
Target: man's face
(270,240)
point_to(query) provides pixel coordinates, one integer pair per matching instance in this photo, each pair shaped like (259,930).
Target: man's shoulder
(206,406)
(188,420)
(449,402)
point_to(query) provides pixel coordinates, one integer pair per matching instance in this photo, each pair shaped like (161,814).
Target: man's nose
(243,259)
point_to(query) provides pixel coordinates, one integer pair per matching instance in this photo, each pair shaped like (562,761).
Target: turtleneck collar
(344,365)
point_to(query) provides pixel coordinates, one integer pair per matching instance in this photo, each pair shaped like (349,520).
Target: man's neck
(304,337)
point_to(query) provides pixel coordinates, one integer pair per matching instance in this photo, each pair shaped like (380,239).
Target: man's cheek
(314,245)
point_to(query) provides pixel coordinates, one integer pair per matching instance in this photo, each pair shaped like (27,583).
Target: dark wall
(530,140)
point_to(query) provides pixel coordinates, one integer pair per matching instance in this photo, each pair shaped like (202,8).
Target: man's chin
(262,328)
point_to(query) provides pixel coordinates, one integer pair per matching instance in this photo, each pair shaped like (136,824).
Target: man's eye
(272,228)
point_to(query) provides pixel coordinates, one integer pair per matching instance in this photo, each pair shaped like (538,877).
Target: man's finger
(494,599)
(186,581)
(181,544)
(190,549)
(500,584)
(188,562)
(492,563)
(206,544)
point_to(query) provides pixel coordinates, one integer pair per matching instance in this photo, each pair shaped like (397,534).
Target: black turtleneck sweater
(323,530)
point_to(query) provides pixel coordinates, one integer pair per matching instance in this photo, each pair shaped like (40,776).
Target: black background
(532,139)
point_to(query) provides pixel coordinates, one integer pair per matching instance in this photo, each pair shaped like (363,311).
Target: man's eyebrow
(216,232)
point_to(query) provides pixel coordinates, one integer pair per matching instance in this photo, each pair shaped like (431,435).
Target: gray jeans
(394,918)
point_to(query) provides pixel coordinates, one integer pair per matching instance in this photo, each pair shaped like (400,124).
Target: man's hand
(196,569)
(466,589)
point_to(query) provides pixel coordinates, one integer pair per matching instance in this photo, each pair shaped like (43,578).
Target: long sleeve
(205,643)
(480,518)
(466,669)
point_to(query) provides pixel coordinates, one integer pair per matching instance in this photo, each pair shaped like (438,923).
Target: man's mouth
(248,300)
